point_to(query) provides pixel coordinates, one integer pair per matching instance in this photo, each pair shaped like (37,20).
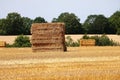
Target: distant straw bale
(2,43)
(87,42)
(48,37)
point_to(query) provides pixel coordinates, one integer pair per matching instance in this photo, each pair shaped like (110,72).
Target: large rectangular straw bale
(87,42)
(48,37)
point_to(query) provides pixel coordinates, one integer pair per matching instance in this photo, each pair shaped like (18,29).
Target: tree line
(15,24)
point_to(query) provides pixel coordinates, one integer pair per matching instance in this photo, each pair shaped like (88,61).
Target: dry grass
(80,63)
(63,71)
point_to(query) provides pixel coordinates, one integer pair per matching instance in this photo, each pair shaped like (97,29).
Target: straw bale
(47,44)
(47,41)
(47,26)
(48,37)
(87,42)
(2,43)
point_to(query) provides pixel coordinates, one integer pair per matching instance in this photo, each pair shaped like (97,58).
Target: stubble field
(78,63)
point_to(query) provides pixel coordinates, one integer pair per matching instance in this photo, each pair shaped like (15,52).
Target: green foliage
(72,23)
(102,40)
(70,43)
(39,20)
(3,25)
(14,24)
(115,21)
(88,24)
(99,41)
(98,24)
(85,36)
(118,31)
(27,22)
(22,41)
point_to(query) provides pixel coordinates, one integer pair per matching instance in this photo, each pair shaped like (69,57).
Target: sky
(49,9)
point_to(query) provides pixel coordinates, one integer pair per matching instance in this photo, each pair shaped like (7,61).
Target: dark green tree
(14,24)
(88,24)
(101,25)
(27,22)
(39,20)
(3,24)
(72,23)
(118,31)
(115,20)
(98,24)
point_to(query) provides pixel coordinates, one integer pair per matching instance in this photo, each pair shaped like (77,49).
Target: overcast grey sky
(50,9)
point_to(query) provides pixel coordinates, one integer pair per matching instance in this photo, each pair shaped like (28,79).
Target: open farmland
(79,63)
(10,39)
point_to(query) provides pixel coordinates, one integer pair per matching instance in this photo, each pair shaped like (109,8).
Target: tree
(115,20)
(98,24)
(72,23)
(14,24)
(3,24)
(88,24)
(39,20)
(27,22)
(101,25)
(118,31)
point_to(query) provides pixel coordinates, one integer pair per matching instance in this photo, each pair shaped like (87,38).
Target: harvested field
(10,39)
(79,63)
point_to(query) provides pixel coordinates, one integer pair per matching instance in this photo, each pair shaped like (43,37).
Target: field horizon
(10,39)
